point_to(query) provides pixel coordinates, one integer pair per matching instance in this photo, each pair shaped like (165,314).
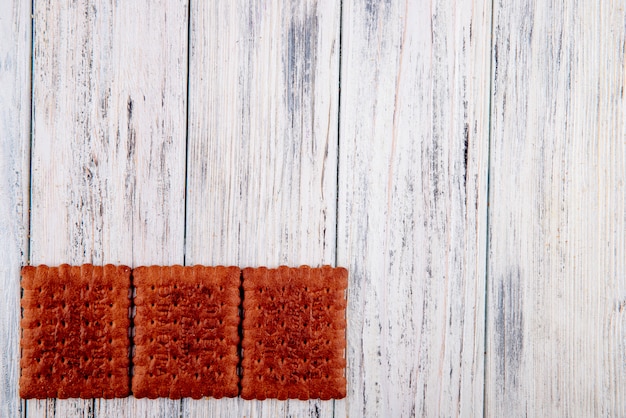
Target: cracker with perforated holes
(294,333)
(186,331)
(75,341)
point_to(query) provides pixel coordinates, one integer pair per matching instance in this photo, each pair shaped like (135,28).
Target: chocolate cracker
(75,340)
(186,332)
(294,333)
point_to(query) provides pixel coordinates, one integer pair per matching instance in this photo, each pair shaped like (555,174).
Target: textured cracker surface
(186,331)
(294,333)
(75,340)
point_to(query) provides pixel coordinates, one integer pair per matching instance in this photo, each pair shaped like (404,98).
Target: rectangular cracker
(186,332)
(75,340)
(294,333)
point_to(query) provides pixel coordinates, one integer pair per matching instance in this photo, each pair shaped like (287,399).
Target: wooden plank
(262,152)
(412,204)
(557,284)
(15,59)
(108,150)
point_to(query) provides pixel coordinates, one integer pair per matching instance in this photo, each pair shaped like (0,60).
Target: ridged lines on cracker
(294,333)
(75,324)
(186,331)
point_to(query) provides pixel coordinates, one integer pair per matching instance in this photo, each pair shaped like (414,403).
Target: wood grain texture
(412,204)
(396,190)
(557,284)
(15,59)
(262,153)
(108,154)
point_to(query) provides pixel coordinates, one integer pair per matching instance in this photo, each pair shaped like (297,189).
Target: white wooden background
(465,160)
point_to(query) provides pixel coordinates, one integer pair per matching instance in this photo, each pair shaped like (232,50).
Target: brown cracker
(186,331)
(75,332)
(294,333)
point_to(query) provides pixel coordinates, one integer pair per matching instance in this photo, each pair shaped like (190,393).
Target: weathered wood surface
(360,133)
(557,273)
(108,148)
(412,205)
(262,153)
(15,57)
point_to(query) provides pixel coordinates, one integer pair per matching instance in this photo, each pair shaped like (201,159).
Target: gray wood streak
(262,155)
(15,54)
(556,294)
(390,180)
(108,151)
(412,205)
